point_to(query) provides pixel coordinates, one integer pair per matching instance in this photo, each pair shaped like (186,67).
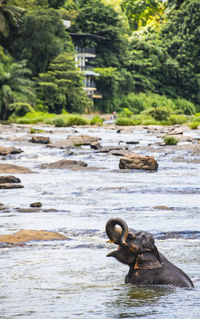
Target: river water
(73,278)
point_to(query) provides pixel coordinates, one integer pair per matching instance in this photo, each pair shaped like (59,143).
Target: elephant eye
(130,237)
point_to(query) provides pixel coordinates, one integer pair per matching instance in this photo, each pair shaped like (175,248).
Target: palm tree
(10,16)
(15,86)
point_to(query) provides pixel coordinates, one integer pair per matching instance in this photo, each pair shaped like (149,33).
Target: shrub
(20,108)
(159,113)
(185,106)
(124,121)
(59,122)
(96,120)
(125,113)
(76,120)
(194,125)
(170,140)
(176,119)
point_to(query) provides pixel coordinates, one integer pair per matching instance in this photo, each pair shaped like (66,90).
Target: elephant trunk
(115,234)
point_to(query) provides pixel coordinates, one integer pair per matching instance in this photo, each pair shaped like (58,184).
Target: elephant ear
(148,260)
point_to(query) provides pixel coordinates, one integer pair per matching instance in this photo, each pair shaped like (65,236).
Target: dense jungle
(82,175)
(147,59)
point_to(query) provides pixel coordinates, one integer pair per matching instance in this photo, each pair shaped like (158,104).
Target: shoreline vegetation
(98,119)
(144,65)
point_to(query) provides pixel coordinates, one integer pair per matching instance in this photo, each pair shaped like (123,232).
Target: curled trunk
(116,234)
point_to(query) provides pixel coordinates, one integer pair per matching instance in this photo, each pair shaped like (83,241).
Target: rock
(73,141)
(9,150)
(136,161)
(36,204)
(132,142)
(176,131)
(161,207)
(14,169)
(65,164)
(82,139)
(95,145)
(35,210)
(10,186)
(109,149)
(62,144)
(40,140)
(9,179)
(29,235)
(120,152)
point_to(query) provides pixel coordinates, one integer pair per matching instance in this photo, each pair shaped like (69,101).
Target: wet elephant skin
(147,266)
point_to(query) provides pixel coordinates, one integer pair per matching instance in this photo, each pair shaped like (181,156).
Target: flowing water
(73,278)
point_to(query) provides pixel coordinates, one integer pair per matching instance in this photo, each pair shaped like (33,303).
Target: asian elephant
(147,266)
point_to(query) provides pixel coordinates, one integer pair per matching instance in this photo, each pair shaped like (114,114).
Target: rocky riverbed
(59,186)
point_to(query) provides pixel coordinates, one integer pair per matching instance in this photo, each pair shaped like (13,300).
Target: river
(73,278)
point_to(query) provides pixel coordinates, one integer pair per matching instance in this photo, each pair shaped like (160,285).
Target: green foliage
(159,113)
(185,106)
(56,4)
(170,140)
(10,17)
(61,86)
(133,102)
(124,121)
(96,120)
(140,12)
(53,119)
(41,38)
(16,87)
(181,38)
(176,119)
(102,20)
(20,108)
(194,125)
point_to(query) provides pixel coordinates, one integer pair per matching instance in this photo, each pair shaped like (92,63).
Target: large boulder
(65,164)
(14,169)
(29,235)
(136,161)
(9,150)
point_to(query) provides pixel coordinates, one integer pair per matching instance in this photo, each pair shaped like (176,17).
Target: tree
(61,87)
(10,16)
(181,38)
(41,38)
(140,12)
(98,19)
(15,84)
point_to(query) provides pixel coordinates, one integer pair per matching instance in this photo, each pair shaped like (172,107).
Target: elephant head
(132,244)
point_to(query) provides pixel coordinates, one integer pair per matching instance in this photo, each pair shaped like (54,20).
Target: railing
(85,50)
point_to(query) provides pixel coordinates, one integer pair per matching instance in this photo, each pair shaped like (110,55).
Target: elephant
(147,266)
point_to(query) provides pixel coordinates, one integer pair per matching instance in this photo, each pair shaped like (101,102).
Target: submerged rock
(112,149)
(9,150)
(10,186)
(136,161)
(29,235)
(14,169)
(62,164)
